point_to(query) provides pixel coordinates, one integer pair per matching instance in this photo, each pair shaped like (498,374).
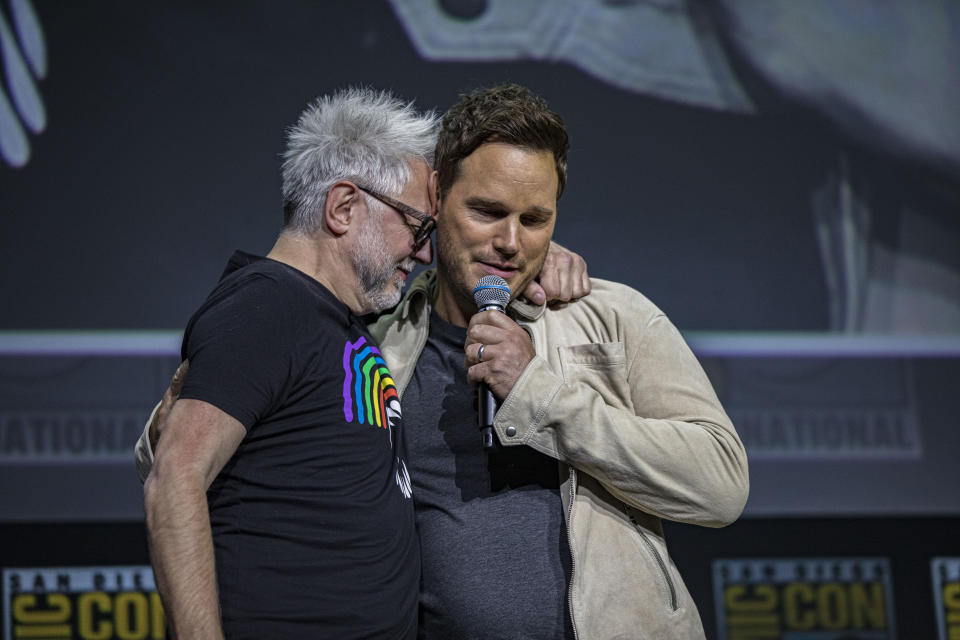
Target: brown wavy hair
(508,113)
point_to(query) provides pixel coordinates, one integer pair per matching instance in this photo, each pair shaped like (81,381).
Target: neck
(449,306)
(323,260)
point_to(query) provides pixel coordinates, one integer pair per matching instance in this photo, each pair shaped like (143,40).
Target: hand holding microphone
(497,350)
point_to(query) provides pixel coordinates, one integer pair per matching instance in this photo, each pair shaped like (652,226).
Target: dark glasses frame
(420,233)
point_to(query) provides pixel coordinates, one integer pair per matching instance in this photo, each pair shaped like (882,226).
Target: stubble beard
(451,269)
(454,271)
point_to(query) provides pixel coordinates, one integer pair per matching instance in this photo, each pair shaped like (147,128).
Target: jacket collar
(421,291)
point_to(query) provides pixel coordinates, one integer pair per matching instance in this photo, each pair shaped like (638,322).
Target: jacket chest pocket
(600,366)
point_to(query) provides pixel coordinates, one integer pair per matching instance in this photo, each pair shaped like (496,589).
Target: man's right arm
(196,442)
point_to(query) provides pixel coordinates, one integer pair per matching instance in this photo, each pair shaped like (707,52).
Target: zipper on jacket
(573,555)
(656,556)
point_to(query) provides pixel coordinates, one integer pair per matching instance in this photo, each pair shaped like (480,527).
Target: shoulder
(607,299)
(254,297)
(256,312)
(265,283)
(613,312)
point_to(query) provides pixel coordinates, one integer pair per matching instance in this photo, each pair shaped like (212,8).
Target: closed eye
(535,220)
(486,208)
(489,212)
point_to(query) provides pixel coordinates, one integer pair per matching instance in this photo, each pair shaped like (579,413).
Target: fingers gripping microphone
(491,293)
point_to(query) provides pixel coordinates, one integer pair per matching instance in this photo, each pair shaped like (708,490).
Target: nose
(506,240)
(424,255)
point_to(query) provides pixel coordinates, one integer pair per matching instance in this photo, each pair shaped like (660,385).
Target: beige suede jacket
(616,396)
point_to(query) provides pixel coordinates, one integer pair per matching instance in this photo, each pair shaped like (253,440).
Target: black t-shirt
(495,557)
(312,518)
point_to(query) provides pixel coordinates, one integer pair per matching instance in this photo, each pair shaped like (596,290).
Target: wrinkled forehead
(516,175)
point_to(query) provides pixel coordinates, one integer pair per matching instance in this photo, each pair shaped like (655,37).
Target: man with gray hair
(280,480)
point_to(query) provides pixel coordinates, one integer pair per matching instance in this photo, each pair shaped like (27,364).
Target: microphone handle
(488,409)
(486,403)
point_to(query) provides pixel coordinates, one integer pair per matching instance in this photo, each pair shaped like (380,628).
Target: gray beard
(379,284)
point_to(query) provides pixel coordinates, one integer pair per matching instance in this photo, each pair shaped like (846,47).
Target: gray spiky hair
(356,134)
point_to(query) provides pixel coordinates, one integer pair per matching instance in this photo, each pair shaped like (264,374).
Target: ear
(344,202)
(434,191)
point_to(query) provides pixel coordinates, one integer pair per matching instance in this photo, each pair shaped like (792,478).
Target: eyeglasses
(427,223)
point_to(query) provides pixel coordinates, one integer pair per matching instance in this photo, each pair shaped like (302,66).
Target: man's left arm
(674,453)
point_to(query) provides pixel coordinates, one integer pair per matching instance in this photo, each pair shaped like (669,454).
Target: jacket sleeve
(674,453)
(143,452)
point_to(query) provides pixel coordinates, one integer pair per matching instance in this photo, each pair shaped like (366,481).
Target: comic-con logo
(824,598)
(945,573)
(90,603)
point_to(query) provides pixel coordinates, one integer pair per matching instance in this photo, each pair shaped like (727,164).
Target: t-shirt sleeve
(240,346)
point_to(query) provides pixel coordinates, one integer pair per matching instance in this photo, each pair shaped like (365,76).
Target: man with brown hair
(607,423)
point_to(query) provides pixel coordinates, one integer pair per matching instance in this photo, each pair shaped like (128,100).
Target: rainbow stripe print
(369,393)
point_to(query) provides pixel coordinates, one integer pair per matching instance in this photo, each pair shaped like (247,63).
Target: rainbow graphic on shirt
(369,393)
(370,396)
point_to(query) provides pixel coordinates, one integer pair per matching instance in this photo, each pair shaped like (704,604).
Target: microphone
(491,293)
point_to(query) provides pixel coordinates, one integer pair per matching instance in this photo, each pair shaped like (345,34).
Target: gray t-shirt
(495,558)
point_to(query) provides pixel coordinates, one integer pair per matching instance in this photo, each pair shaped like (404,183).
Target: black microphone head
(491,292)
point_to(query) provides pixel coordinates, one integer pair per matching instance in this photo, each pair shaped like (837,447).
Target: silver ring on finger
(480,354)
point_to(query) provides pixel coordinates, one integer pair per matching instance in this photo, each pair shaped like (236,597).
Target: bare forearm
(181,550)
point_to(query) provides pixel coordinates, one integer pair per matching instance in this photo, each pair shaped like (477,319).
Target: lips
(404,269)
(505,271)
